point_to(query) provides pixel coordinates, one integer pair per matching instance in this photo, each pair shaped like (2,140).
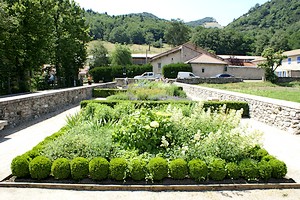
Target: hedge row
(156,169)
(171,70)
(103,93)
(107,74)
(236,105)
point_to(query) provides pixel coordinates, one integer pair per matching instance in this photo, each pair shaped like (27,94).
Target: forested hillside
(275,23)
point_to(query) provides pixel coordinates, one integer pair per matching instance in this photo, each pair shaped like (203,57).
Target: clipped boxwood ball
(20,166)
(178,169)
(158,168)
(268,158)
(99,168)
(249,169)
(265,170)
(233,170)
(40,167)
(217,169)
(79,168)
(61,168)
(138,169)
(198,169)
(118,168)
(279,168)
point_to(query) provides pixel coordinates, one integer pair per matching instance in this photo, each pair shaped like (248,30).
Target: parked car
(224,76)
(182,75)
(148,75)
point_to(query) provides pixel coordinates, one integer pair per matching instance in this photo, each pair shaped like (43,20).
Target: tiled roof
(207,59)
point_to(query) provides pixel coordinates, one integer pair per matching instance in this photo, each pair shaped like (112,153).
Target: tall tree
(177,32)
(121,56)
(100,56)
(272,62)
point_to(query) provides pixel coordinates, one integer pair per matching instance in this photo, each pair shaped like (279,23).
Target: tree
(177,33)
(273,61)
(121,56)
(100,58)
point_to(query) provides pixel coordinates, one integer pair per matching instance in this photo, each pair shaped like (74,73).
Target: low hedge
(156,169)
(105,92)
(236,105)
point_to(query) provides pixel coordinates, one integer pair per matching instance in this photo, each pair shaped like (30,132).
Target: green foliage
(121,56)
(177,32)
(100,58)
(101,74)
(233,170)
(217,169)
(88,139)
(138,169)
(198,170)
(118,168)
(268,158)
(273,61)
(257,153)
(249,169)
(79,168)
(60,168)
(265,170)
(99,168)
(40,167)
(178,168)
(279,169)
(158,168)
(171,70)
(20,166)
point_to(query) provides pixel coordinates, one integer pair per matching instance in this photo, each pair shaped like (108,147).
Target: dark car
(223,75)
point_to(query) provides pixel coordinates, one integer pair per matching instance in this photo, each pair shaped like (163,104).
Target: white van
(182,75)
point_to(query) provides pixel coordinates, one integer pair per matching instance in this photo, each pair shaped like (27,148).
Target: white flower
(154,124)
(197,136)
(147,127)
(184,149)
(164,142)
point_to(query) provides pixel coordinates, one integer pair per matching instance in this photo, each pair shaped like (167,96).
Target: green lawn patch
(286,91)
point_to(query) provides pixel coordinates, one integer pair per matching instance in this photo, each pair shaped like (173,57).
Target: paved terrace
(16,141)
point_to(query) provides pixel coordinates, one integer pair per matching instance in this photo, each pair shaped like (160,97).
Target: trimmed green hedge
(171,70)
(236,105)
(103,93)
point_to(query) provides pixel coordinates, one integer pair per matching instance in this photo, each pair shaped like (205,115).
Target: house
(205,64)
(291,65)
(201,60)
(141,59)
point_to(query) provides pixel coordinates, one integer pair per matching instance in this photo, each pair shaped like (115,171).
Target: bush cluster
(105,92)
(138,169)
(107,74)
(171,70)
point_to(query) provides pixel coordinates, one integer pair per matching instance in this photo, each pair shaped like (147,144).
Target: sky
(224,11)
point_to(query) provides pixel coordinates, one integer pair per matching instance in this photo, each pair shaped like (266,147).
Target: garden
(150,137)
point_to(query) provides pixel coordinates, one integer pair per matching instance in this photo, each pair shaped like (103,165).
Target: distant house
(188,53)
(206,64)
(141,59)
(291,65)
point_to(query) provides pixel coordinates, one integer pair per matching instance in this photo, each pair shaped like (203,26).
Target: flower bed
(123,142)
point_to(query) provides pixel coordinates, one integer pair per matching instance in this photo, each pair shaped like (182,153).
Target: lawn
(134,48)
(284,91)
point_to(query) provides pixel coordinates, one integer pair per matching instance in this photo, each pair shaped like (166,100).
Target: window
(225,69)
(298,59)
(159,65)
(289,60)
(203,70)
(172,60)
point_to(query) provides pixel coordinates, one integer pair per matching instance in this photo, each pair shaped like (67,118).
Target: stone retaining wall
(210,80)
(282,114)
(22,108)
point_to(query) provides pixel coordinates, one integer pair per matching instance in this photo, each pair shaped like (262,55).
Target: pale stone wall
(281,114)
(22,108)
(248,73)
(210,70)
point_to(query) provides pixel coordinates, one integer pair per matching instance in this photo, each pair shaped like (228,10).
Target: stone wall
(282,114)
(22,108)
(209,80)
